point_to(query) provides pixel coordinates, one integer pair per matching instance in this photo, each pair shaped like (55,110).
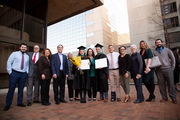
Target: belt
(114,69)
(18,71)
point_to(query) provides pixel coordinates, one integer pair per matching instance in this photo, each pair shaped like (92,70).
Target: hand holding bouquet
(77,62)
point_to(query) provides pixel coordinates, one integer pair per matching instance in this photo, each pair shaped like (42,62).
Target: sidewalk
(93,110)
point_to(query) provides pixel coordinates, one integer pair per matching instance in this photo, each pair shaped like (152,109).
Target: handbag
(155,62)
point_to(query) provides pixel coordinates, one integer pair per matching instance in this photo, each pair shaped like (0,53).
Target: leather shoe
(57,102)
(118,99)
(137,101)
(37,101)
(21,105)
(6,108)
(63,101)
(82,101)
(100,99)
(106,100)
(164,100)
(46,104)
(29,104)
(174,101)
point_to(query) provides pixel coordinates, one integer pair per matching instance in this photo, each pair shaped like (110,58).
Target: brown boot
(100,99)
(106,100)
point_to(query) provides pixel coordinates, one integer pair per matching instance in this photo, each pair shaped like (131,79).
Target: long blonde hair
(147,47)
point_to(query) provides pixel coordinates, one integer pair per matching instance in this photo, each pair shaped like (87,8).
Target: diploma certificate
(85,64)
(101,63)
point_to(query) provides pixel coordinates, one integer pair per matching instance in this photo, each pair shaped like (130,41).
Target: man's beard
(23,51)
(159,46)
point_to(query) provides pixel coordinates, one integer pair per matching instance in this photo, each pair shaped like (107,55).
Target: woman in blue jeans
(136,73)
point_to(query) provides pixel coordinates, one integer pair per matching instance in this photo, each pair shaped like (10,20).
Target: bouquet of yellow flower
(77,62)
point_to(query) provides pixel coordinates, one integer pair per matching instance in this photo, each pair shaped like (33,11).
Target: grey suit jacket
(33,68)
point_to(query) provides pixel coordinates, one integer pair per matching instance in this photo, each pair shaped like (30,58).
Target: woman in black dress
(148,74)
(82,81)
(176,69)
(44,68)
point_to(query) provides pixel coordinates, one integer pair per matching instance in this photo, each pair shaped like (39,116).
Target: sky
(119,8)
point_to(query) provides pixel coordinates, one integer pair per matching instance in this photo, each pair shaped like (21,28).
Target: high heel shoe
(127,99)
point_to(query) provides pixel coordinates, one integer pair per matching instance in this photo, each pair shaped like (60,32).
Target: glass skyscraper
(71,33)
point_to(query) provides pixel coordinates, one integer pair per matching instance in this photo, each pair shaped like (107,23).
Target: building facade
(27,20)
(154,19)
(87,29)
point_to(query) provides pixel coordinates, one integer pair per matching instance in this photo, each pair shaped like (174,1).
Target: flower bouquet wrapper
(77,62)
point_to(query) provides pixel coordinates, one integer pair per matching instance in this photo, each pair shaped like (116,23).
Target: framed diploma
(85,64)
(101,63)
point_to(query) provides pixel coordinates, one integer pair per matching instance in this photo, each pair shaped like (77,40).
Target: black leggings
(92,88)
(150,87)
(45,90)
(71,90)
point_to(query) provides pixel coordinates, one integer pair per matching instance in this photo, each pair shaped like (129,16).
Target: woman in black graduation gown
(101,75)
(82,81)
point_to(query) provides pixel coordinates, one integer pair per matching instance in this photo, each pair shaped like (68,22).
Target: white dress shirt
(37,57)
(61,60)
(14,62)
(115,59)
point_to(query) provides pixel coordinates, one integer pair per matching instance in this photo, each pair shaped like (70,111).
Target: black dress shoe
(138,101)
(6,108)
(37,101)
(149,100)
(46,104)
(81,101)
(29,104)
(63,101)
(57,102)
(21,105)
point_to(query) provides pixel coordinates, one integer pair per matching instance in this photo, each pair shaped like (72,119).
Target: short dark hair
(110,46)
(92,52)
(158,39)
(22,44)
(121,47)
(60,45)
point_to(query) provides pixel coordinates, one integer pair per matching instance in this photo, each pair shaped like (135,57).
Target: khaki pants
(114,82)
(125,83)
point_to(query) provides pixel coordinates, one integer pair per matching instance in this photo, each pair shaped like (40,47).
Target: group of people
(41,68)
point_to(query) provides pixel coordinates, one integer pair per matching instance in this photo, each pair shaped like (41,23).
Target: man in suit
(59,66)
(33,77)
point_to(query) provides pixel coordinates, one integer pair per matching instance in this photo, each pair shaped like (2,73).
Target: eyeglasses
(122,49)
(36,48)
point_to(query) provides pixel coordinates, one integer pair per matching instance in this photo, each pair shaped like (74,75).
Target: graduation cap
(81,48)
(98,45)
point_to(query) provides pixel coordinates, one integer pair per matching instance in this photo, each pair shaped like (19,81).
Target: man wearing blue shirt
(17,67)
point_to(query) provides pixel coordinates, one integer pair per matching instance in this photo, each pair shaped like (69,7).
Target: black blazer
(55,64)
(44,67)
